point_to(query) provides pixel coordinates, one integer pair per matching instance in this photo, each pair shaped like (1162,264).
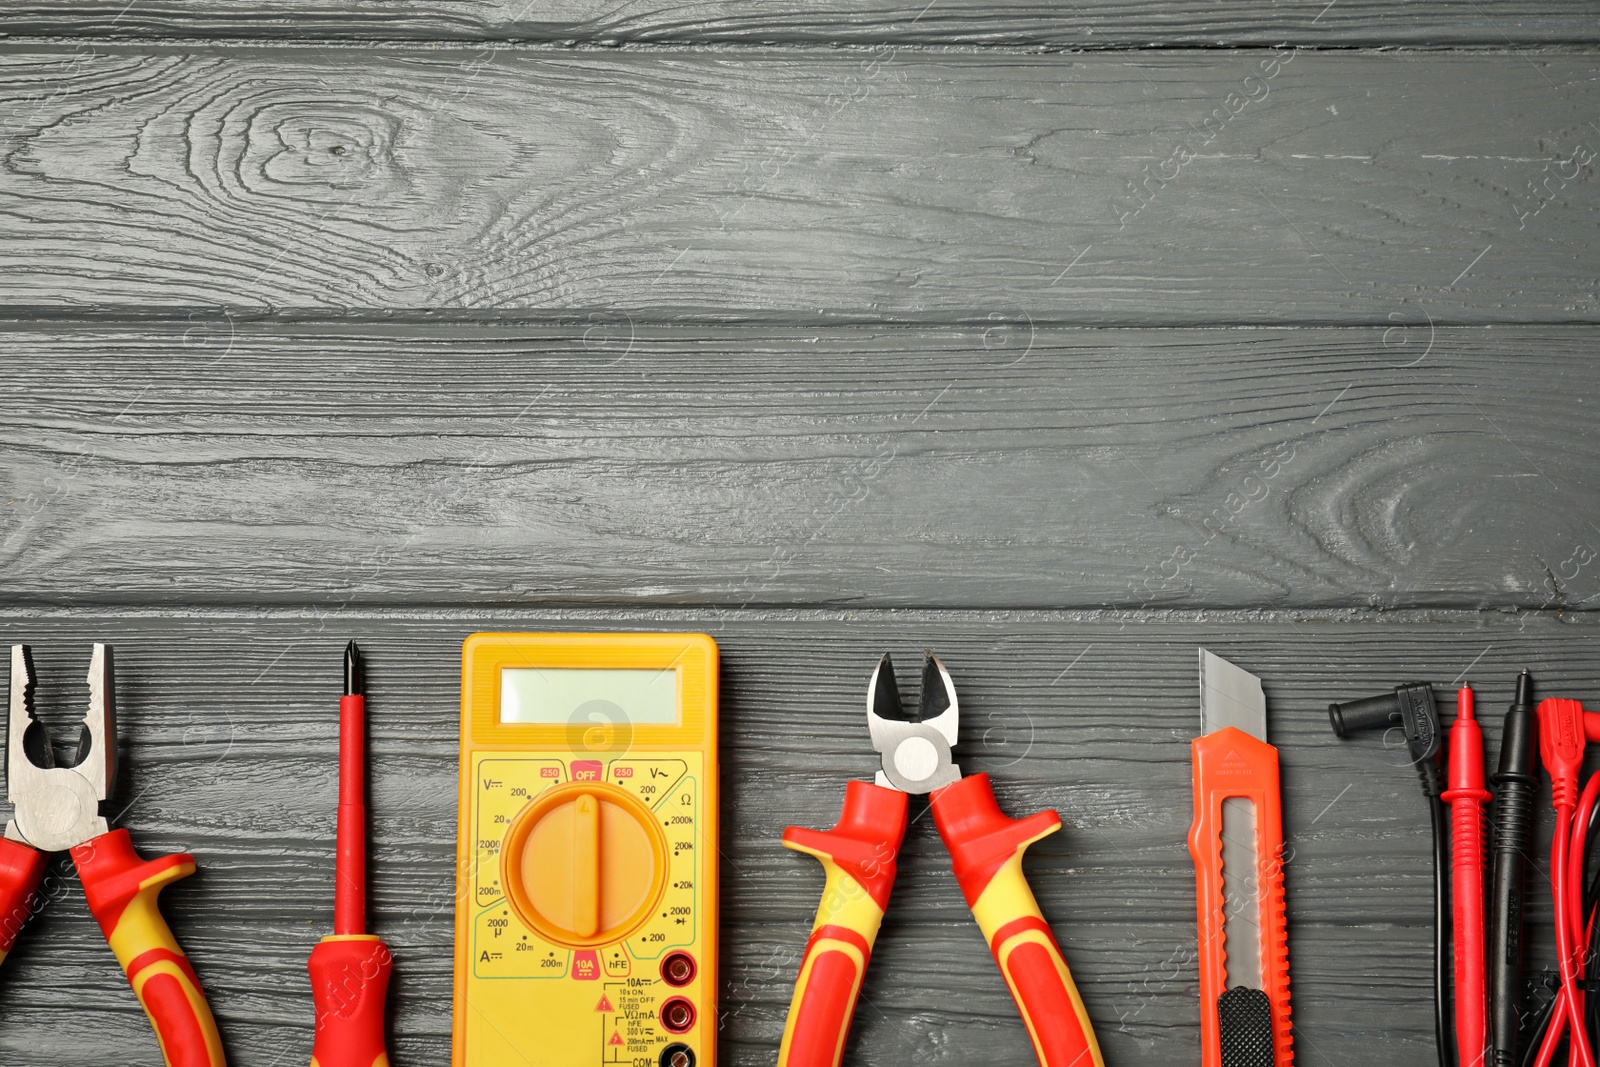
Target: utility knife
(1237,844)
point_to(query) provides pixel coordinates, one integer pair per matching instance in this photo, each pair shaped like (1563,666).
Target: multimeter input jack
(677,1015)
(678,969)
(677,1056)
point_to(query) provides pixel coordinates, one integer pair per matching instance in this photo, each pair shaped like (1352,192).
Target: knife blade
(1230,696)
(1236,841)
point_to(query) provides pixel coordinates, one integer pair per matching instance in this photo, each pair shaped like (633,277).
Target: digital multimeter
(586,877)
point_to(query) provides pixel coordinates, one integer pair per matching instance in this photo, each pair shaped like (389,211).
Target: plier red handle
(859,857)
(57,809)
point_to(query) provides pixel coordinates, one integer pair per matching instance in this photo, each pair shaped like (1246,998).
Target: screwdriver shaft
(350,883)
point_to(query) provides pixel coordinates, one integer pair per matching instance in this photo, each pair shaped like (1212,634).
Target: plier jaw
(916,750)
(55,808)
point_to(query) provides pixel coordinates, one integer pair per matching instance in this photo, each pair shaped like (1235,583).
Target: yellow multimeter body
(586,851)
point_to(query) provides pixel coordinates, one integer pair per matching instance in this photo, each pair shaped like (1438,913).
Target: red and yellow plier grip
(986,850)
(121,888)
(859,857)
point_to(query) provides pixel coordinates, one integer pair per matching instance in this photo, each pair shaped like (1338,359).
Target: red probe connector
(1466,797)
(1562,733)
(1564,727)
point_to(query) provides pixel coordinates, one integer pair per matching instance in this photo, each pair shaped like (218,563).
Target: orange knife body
(1231,763)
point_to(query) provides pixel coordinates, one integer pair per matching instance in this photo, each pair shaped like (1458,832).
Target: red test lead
(1564,729)
(1466,797)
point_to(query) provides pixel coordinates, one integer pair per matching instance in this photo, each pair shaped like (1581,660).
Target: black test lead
(1413,709)
(1516,796)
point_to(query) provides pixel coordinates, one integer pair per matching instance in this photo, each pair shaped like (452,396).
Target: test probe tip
(1525,689)
(353,686)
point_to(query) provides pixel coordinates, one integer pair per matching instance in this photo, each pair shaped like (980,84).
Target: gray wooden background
(1060,338)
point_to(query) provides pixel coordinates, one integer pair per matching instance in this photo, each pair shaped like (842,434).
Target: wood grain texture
(1089,24)
(211,462)
(228,721)
(886,184)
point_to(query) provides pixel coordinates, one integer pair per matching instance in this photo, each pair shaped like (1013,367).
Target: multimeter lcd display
(555,696)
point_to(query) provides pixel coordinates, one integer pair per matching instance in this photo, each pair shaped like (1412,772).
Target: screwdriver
(350,967)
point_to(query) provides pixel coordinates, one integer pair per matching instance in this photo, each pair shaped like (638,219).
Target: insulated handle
(121,888)
(349,981)
(859,857)
(1466,797)
(1231,763)
(986,852)
(1515,803)
(21,869)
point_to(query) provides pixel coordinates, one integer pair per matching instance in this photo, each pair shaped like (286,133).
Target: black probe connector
(1413,709)
(1515,805)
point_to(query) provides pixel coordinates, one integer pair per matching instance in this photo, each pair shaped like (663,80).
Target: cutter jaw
(917,756)
(55,808)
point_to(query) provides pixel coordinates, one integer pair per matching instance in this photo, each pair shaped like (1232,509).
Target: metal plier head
(54,808)
(916,748)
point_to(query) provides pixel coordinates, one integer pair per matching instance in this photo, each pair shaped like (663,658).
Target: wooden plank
(1186,188)
(1092,24)
(983,467)
(229,724)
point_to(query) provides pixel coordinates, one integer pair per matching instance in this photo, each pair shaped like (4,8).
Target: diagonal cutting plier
(859,857)
(56,809)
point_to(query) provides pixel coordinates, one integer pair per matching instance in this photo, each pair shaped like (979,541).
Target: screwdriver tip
(352,671)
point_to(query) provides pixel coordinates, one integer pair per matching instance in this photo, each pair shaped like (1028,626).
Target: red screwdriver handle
(859,856)
(21,869)
(121,888)
(1231,763)
(986,849)
(349,982)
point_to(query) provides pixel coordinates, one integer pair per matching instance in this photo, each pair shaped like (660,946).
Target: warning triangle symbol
(604,1004)
(616,1038)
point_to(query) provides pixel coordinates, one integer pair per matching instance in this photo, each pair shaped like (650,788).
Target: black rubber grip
(1245,1017)
(1515,804)
(1513,819)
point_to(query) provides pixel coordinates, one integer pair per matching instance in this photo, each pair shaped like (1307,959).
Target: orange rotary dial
(584,864)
